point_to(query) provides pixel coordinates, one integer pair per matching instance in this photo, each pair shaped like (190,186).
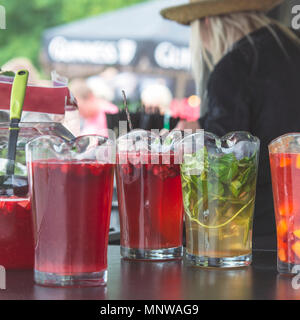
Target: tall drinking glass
(71,187)
(219,184)
(150,197)
(285,169)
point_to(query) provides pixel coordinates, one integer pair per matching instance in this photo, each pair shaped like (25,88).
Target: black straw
(126,110)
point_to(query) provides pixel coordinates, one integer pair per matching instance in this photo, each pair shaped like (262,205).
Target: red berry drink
(16,233)
(150,207)
(71,204)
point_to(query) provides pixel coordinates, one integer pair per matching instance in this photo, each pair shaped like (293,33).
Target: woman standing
(253,85)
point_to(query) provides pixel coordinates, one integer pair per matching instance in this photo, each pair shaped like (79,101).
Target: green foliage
(212,182)
(26,21)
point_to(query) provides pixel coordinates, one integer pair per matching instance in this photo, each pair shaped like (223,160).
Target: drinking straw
(127,111)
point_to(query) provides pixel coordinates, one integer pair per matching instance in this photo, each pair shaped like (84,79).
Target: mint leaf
(222,184)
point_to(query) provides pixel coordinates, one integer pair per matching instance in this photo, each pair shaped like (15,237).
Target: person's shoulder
(265,42)
(245,54)
(258,39)
(234,58)
(233,67)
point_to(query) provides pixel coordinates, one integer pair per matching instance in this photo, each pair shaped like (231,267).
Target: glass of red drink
(16,234)
(150,198)
(285,169)
(71,187)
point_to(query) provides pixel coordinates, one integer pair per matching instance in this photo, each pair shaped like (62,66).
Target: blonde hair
(219,33)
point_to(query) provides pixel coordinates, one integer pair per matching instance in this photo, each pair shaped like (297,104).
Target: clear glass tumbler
(71,186)
(219,185)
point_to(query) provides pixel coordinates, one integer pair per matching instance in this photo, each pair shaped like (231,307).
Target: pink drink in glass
(16,233)
(150,207)
(72,205)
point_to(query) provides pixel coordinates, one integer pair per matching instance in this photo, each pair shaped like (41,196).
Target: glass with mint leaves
(219,184)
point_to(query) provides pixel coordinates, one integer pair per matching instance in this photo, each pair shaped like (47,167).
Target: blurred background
(104,47)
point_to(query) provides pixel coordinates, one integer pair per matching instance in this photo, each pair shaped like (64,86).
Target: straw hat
(198,9)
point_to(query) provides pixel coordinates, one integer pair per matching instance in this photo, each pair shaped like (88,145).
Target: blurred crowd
(101,94)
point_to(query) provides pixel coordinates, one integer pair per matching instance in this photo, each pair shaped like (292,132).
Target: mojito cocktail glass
(71,186)
(150,198)
(285,168)
(219,184)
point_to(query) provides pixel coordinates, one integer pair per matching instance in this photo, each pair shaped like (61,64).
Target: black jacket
(256,88)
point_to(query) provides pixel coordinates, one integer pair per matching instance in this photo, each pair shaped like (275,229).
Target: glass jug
(219,184)
(71,185)
(285,170)
(150,196)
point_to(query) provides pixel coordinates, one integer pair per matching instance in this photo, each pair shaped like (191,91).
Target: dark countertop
(166,280)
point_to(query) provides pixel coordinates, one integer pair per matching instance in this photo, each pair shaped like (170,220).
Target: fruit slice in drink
(285,168)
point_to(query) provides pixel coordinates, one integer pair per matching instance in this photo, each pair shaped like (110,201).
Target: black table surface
(166,280)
